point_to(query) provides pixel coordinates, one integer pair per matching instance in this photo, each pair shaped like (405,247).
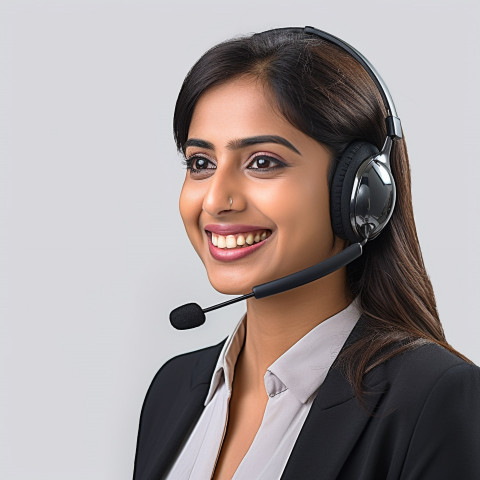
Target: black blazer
(425,425)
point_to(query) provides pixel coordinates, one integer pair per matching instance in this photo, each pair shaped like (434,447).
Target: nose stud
(213,208)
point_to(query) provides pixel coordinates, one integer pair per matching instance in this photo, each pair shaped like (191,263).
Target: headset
(362,198)
(363,192)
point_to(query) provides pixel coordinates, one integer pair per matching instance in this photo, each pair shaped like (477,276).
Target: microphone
(191,315)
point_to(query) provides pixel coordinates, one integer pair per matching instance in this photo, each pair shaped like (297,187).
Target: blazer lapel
(167,445)
(169,433)
(334,423)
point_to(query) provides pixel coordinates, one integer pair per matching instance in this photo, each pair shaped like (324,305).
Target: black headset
(363,193)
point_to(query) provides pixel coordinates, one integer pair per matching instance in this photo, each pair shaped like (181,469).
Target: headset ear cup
(342,185)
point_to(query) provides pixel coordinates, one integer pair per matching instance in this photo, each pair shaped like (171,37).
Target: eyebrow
(242,142)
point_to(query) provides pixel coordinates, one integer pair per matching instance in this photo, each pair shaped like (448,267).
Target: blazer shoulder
(178,371)
(445,440)
(426,423)
(189,359)
(418,375)
(426,363)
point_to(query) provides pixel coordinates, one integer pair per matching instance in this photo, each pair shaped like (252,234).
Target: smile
(232,245)
(240,240)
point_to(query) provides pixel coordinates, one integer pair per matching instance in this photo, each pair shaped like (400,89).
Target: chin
(231,286)
(231,290)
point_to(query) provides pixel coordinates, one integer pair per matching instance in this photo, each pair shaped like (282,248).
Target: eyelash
(189,162)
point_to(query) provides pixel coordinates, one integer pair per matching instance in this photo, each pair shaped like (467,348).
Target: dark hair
(324,92)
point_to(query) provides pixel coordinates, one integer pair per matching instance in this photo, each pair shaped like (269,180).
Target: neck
(276,323)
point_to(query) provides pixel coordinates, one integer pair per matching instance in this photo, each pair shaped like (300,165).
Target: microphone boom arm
(192,315)
(309,274)
(300,278)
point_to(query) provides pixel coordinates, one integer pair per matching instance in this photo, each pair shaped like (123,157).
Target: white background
(93,255)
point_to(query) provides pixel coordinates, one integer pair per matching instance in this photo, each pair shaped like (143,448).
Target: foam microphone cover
(187,316)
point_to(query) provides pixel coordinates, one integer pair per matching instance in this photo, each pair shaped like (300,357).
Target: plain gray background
(93,255)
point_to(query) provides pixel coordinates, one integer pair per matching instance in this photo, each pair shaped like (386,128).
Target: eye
(265,163)
(200,166)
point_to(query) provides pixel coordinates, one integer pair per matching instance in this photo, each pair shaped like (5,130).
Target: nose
(224,193)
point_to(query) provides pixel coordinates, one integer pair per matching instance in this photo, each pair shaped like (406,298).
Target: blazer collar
(170,433)
(335,422)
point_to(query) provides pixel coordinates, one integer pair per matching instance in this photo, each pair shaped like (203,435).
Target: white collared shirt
(291,382)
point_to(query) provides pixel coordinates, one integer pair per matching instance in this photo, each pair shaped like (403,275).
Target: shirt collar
(225,368)
(302,368)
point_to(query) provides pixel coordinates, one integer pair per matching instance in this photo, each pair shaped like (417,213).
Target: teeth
(231,241)
(222,243)
(242,239)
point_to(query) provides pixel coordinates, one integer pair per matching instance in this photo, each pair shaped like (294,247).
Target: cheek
(317,195)
(302,207)
(190,205)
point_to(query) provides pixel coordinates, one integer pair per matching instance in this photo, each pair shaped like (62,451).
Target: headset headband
(392,121)
(394,126)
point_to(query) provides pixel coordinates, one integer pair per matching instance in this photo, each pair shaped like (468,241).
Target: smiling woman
(289,160)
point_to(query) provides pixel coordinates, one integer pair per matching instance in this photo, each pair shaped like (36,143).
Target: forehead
(241,107)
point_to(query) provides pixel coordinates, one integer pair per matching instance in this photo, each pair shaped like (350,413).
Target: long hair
(324,92)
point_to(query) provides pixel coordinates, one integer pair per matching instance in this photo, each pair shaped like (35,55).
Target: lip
(232,229)
(232,254)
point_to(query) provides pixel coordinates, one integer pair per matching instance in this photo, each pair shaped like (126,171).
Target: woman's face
(240,147)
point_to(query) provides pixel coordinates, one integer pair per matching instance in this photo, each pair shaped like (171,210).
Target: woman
(348,376)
